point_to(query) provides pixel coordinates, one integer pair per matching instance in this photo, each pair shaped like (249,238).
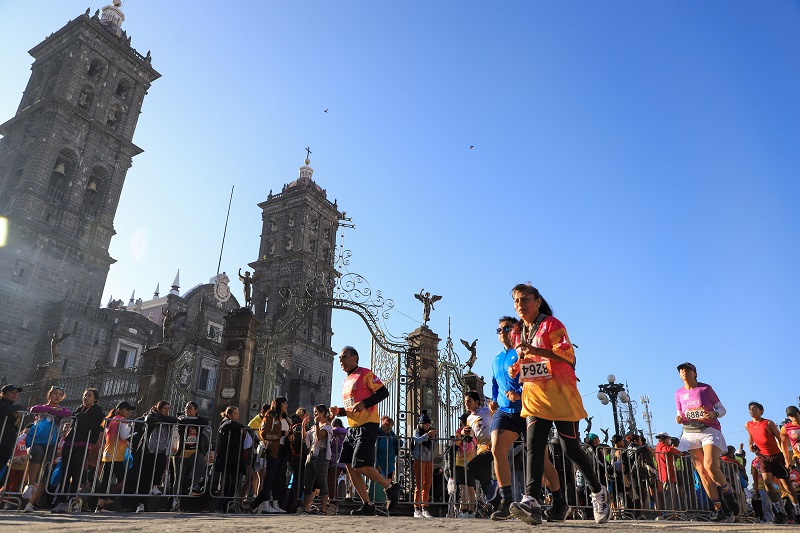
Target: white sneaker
(600,506)
(417,513)
(154,491)
(426,514)
(29,508)
(28,492)
(276,508)
(140,509)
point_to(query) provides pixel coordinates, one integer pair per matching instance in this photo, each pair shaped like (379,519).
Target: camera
(467,438)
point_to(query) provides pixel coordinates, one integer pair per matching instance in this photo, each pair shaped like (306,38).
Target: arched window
(123,88)
(95,190)
(62,175)
(95,68)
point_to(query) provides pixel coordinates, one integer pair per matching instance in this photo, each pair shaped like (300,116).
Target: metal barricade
(26,451)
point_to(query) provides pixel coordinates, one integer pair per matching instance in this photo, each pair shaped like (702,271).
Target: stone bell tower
(63,161)
(298,239)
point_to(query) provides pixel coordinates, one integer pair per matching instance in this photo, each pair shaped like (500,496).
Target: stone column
(422,391)
(476,383)
(152,377)
(236,367)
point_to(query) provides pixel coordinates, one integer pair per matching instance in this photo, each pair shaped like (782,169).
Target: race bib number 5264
(534,371)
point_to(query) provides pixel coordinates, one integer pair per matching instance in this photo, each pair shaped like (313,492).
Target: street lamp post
(609,392)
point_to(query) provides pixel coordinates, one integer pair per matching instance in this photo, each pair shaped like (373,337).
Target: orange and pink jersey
(359,385)
(549,389)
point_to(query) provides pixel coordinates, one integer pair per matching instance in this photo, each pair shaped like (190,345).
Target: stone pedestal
(236,367)
(153,367)
(422,392)
(476,383)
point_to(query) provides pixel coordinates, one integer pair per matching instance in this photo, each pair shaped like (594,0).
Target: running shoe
(600,506)
(417,513)
(730,502)
(140,508)
(466,514)
(559,512)
(364,510)
(528,511)
(780,518)
(29,508)
(426,514)
(721,516)
(392,496)
(502,512)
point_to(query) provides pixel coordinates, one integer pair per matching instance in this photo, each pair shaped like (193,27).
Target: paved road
(207,523)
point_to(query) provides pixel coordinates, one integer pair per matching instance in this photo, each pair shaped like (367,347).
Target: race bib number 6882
(535,371)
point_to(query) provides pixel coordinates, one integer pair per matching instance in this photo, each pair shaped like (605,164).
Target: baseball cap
(663,435)
(792,410)
(125,405)
(9,388)
(690,366)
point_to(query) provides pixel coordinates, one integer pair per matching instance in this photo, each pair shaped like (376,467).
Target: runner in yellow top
(362,391)
(549,395)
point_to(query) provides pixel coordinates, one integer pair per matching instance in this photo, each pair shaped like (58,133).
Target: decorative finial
(308,155)
(155,294)
(176,284)
(133,295)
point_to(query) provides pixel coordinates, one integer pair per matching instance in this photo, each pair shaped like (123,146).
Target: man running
(764,437)
(790,435)
(361,393)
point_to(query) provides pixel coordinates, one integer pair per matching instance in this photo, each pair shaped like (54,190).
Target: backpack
(270,433)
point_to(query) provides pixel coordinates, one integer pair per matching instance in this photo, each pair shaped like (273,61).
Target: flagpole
(225,231)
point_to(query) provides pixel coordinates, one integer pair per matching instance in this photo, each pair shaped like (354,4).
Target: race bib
(695,414)
(349,403)
(535,371)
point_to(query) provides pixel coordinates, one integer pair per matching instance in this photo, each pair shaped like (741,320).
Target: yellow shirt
(552,394)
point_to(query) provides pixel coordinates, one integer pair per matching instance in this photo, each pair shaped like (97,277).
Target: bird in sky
(326,110)
(471,146)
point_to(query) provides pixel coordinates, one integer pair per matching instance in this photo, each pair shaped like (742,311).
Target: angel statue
(473,353)
(55,340)
(427,302)
(169,320)
(248,280)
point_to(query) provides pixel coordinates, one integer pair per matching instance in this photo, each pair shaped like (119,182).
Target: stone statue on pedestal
(427,303)
(55,340)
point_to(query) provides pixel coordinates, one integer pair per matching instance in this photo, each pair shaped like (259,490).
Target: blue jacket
(501,382)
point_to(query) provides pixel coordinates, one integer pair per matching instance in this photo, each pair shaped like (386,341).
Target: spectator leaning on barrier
(160,438)
(422,454)
(229,462)
(42,443)
(665,459)
(194,445)
(85,429)
(318,439)
(115,444)
(481,468)
(9,422)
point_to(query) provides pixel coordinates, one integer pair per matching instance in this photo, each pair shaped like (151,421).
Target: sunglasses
(504,329)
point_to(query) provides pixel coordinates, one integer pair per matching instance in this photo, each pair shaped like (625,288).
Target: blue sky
(636,162)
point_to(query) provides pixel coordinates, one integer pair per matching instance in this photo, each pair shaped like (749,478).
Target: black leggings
(538,434)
